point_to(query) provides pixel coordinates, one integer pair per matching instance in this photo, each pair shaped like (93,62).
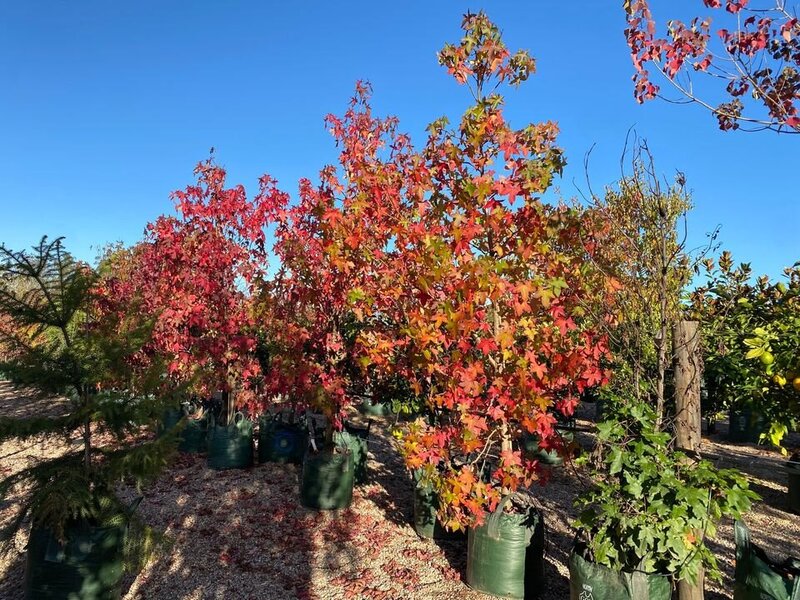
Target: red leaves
(196,273)
(752,56)
(734,6)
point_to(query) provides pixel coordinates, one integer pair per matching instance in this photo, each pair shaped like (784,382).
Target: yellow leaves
(505,338)
(542,403)
(545,296)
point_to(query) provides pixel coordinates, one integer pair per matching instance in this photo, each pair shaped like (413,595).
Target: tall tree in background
(640,250)
(197,273)
(753,54)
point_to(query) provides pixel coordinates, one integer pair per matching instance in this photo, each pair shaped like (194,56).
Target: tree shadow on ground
(11,583)
(237,533)
(388,484)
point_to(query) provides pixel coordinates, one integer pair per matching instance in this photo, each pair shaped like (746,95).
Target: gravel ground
(242,534)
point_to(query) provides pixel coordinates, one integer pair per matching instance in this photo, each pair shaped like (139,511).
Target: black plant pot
(793,472)
(281,442)
(745,425)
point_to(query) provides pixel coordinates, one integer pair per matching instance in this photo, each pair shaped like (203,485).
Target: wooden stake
(686,356)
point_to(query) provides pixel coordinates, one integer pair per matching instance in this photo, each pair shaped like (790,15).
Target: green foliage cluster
(641,255)
(56,340)
(652,506)
(751,342)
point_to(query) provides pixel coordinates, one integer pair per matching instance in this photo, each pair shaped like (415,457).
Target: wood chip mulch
(242,534)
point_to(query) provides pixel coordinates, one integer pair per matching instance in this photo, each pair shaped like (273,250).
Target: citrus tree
(752,341)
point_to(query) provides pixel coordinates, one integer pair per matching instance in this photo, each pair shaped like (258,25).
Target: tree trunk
(687,413)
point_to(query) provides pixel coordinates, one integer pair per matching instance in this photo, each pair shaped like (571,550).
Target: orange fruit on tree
(796,383)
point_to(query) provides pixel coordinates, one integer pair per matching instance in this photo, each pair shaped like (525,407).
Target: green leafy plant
(751,342)
(652,506)
(58,337)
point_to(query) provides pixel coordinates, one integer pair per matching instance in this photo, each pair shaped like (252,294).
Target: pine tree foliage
(55,338)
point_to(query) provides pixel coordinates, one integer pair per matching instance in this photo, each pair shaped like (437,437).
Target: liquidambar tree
(481,286)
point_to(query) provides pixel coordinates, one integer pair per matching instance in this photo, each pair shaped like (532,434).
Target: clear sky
(106,106)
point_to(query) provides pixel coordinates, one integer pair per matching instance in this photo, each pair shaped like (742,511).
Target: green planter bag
(793,471)
(327,479)
(169,420)
(505,555)
(193,434)
(87,566)
(590,581)
(426,523)
(355,439)
(529,444)
(231,447)
(757,577)
(281,442)
(745,425)
(194,437)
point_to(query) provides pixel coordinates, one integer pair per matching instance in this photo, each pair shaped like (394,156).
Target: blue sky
(105,107)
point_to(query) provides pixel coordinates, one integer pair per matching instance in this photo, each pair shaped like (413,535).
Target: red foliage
(197,272)
(477,299)
(760,54)
(328,244)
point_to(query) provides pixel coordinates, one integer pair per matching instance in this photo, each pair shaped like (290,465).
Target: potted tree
(645,521)
(751,343)
(483,287)
(198,272)
(58,335)
(304,309)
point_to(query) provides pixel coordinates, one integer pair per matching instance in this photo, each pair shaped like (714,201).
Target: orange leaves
(474,300)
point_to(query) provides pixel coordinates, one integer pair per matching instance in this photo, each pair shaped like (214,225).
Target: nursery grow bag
(757,577)
(194,436)
(590,581)
(426,523)
(354,438)
(529,444)
(231,447)
(793,472)
(281,442)
(170,419)
(327,479)
(88,565)
(505,555)
(745,425)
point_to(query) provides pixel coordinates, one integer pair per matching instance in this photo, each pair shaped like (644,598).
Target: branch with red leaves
(755,58)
